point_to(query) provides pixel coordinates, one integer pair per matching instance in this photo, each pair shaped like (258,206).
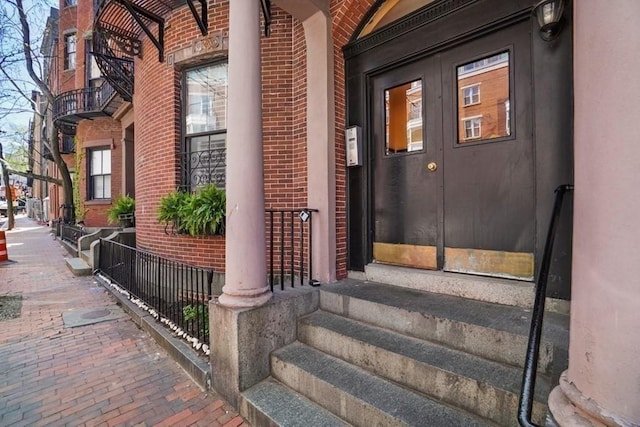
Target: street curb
(179,351)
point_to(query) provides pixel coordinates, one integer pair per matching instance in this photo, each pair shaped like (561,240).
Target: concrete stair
(376,354)
(78,267)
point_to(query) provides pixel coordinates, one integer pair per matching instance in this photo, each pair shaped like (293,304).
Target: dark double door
(452,159)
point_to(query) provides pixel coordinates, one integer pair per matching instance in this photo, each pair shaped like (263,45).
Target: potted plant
(198,214)
(122,211)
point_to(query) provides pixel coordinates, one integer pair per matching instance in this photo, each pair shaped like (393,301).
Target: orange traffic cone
(4,255)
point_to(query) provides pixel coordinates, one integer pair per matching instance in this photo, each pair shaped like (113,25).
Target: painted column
(321,158)
(602,384)
(245,276)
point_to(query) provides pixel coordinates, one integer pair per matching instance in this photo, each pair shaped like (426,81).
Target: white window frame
(470,94)
(103,173)
(476,131)
(70,55)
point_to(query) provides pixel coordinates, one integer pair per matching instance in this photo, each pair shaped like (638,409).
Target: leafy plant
(190,313)
(171,209)
(196,214)
(123,205)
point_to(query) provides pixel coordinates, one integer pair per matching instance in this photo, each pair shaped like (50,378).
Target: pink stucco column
(245,275)
(602,384)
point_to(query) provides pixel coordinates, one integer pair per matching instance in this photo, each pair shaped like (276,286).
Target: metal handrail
(533,347)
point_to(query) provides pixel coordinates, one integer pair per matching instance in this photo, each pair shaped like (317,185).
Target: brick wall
(97,133)
(158,126)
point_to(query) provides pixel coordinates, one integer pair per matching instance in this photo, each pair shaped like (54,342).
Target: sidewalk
(55,369)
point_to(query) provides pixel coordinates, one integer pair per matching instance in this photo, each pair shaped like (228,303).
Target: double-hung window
(205,126)
(472,128)
(99,173)
(70,51)
(471,95)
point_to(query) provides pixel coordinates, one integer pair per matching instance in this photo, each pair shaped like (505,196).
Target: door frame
(426,32)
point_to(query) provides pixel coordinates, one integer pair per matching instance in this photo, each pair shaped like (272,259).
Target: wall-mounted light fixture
(549,16)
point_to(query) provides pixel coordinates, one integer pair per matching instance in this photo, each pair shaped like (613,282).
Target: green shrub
(196,214)
(123,205)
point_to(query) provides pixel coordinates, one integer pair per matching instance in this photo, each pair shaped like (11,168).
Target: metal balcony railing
(76,104)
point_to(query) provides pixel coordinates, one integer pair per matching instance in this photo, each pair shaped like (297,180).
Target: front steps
(383,355)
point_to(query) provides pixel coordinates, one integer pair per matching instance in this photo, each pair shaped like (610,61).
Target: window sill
(98,202)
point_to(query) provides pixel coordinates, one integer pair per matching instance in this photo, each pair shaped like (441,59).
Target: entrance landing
(488,289)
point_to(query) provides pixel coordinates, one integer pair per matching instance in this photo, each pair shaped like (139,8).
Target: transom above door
(452,159)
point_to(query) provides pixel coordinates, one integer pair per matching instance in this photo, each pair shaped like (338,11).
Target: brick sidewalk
(107,374)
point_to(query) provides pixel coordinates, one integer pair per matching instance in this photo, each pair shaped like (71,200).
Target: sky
(37,13)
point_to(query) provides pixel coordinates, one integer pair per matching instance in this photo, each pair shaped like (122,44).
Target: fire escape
(119,24)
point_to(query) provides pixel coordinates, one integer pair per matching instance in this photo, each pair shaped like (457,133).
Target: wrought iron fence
(179,293)
(289,247)
(71,233)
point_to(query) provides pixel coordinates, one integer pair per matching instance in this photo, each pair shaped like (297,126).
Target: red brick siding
(158,121)
(101,132)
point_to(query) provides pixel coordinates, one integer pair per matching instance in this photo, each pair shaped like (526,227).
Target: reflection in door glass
(403,118)
(484,108)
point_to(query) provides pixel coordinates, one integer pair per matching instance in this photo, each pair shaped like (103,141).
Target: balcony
(86,103)
(67,144)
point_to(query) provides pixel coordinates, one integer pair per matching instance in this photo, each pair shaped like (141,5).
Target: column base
(570,408)
(244,299)
(242,340)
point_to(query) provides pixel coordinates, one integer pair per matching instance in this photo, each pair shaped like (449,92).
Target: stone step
(78,267)
(270,403)
(489,289)
(486,388)
(357,396)
(493,331)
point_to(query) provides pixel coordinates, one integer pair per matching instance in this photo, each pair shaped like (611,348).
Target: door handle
(432,166)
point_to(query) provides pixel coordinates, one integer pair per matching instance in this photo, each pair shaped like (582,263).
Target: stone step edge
(501,348)
(450,383)
(357,396)
(271,403)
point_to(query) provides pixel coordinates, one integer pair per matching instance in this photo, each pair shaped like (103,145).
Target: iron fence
(290,247)
(178,292)
(71,233)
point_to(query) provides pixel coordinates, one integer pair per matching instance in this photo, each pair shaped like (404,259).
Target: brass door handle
(432,166)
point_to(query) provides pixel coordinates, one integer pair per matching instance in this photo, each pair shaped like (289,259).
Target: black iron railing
(203,167)
(67,144)
(114,49)
(80,101)
(71,233)
(179,293)
(537,317)
(289,247)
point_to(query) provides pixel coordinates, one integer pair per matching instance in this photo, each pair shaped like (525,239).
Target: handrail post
(525,405)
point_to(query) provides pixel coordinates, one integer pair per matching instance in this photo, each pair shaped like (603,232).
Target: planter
(127,220)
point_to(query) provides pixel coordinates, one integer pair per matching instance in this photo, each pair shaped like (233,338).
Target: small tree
(20,52)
